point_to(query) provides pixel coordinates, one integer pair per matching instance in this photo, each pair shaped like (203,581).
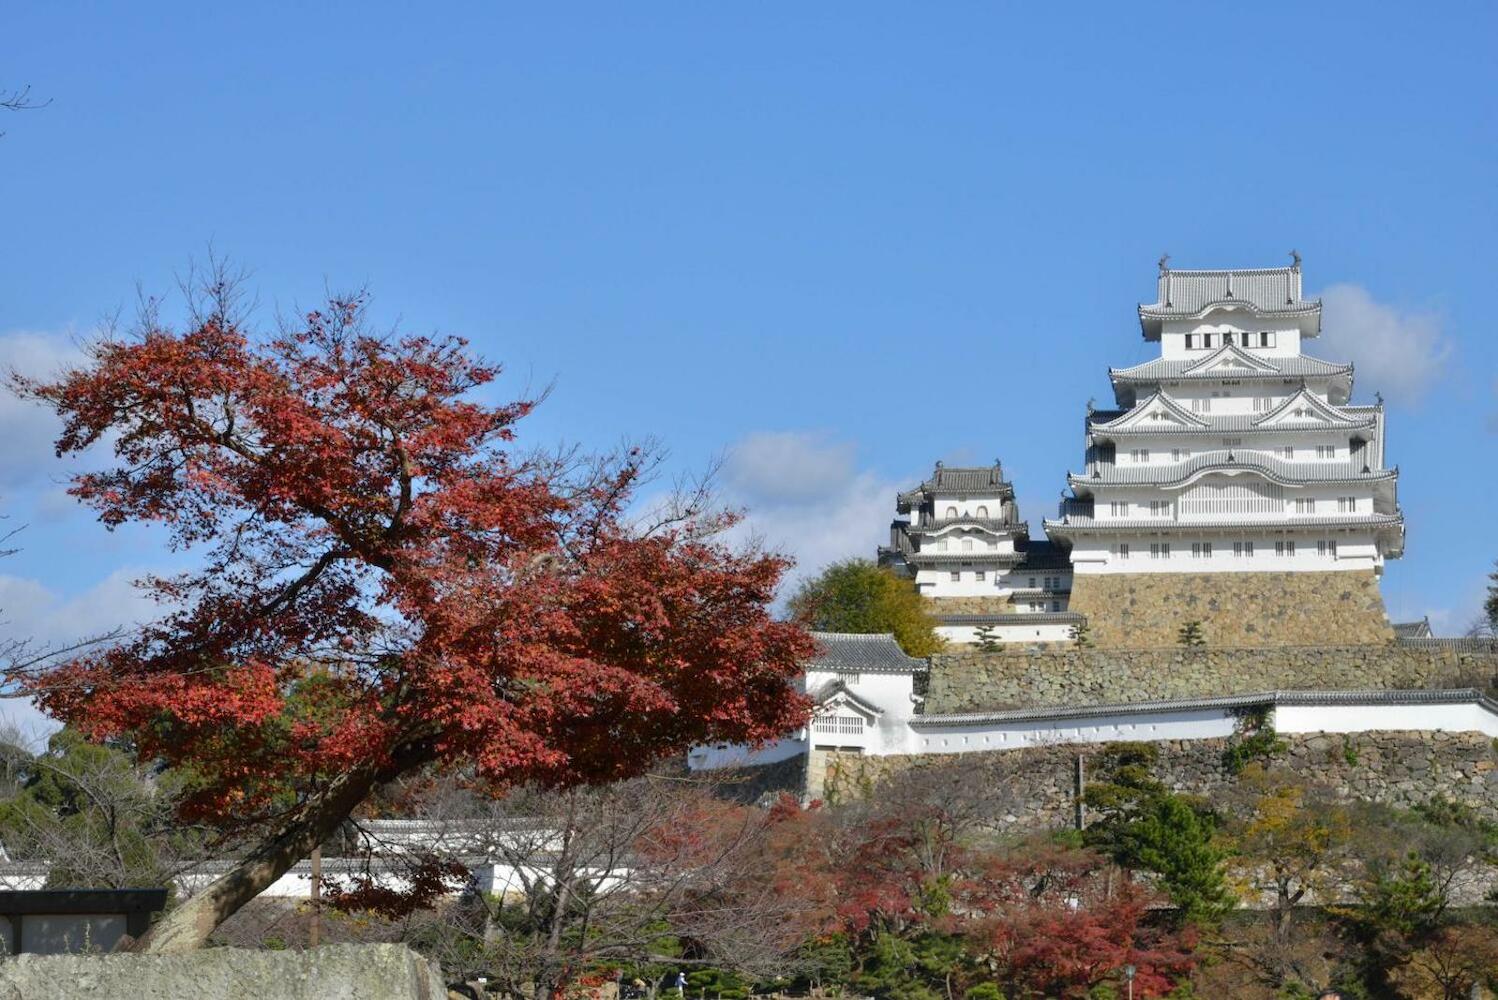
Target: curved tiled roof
(874,652)
(1267,291)
(1287,473)
(1451,696)
(1073,523)
(1167,369)
(1231,423)
(983,479)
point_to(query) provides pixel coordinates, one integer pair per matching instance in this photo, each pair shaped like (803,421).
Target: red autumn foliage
(387,584)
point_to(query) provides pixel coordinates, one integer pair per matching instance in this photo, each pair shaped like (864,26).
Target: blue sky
(835,244)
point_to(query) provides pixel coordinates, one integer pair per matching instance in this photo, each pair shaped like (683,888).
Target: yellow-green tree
(857,596)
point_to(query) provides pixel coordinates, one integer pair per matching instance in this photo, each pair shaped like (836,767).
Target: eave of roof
(1451,696)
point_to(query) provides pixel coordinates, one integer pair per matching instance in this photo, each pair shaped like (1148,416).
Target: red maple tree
(387,584)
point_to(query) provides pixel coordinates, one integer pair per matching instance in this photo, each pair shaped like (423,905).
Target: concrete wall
(972,680)
(1137,610)
(337,972)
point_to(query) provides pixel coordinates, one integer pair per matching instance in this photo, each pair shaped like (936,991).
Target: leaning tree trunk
(188,926)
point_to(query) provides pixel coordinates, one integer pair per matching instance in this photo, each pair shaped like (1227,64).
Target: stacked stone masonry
(973,680)
(1034,788)
(1138,610)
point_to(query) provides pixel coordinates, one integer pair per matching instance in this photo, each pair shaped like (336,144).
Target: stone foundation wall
(971,606)
(1067,675)
(1035,788)
(1134,610)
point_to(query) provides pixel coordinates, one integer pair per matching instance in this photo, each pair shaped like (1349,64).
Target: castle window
(1055,605)
(1140,456)
(1191,340)
(1159,508)
(1201,406)
(956,576)
(1288,451)
(980,576)
(1118,508)
(1286,548)
(1266,339)
(1244,339)
(1347,505)
(941,545)
(1327,547)
(1208,340)
(982,511)
(951,511)
(1159,550)
(1263,404)
(1123,551)
(1326,451)
(967,545)
(1305,505)
(1032,583)
(1201,550)
(1243,550)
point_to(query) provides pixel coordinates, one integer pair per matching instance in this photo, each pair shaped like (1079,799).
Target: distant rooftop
(987,479)
(1265,290)
(873,653)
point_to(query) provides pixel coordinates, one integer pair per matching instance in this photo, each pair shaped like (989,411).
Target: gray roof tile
(875,653)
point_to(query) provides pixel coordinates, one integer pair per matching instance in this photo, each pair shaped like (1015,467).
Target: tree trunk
(188,926)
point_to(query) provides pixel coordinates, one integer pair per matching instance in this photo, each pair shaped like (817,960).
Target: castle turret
(960,538)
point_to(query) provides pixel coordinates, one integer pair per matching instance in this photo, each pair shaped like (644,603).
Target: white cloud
(788,467)
(39,616)
(26,448)
(805,498)
(1401,354)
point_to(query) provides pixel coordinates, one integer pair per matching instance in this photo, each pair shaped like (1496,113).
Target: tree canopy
(387,584)
(857,596)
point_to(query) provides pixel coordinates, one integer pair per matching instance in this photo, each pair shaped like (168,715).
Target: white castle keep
(1233,452)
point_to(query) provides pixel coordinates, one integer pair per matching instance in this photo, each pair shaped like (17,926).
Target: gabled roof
(1231,357)
(1171,369)
(850,651)
(1413,630)
(1155,402)
(1270,291)
(1361,417)
(836,692)
(1305,399)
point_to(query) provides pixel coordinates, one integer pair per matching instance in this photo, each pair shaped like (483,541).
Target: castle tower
(960,538)
(1235,484)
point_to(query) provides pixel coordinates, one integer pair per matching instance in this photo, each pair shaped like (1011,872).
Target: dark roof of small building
(875,652)
(1043,555)
(1413,630)
(967,479)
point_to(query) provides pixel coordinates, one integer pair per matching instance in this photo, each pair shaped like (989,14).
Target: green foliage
(1253,740)
(1349,752)
(857,596)
(986,639)
(1081,633)
(910,968)
(1192,634)
(1142,826)
(1403,901)
(100,821)
(717,983)
(1177,841)
(985,991)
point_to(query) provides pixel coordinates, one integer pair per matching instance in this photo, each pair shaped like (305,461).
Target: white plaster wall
(975,737)
(1287,340)
(1043,632)
(1099,553)
(1374,718)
